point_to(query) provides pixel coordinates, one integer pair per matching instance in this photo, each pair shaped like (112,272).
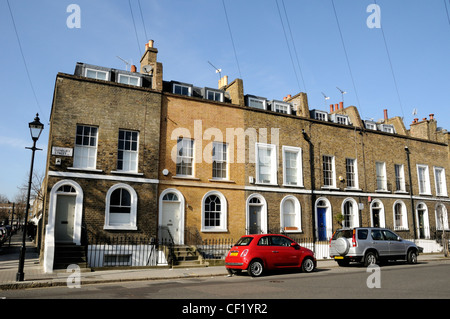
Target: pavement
(35,277)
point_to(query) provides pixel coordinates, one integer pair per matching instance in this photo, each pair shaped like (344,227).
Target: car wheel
(308,265)
(412,257)
(370,259)
(256,268)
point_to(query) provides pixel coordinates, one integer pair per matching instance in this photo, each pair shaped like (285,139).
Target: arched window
(400,217)
(121,208)
(290,217)
(214,212)
(350,212)
(441,217)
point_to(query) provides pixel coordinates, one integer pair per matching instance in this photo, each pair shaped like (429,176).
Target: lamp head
(36,128)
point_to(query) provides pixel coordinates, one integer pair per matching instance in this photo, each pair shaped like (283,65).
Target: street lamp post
(36,128)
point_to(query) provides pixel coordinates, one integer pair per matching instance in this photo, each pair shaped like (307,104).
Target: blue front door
(322,223)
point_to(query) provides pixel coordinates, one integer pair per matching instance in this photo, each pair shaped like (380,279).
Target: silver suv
(370,246)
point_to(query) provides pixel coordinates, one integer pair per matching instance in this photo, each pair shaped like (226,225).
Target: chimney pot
(133,68)
(341,105)
(150,43)
(431,116)
(386,114)
(336,107)
(424,119)
(331,108)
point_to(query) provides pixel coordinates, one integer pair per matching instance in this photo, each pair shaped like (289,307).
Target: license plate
(338,257)
(234,254)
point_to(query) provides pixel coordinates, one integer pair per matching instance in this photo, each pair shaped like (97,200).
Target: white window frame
(370,126)
(297,227)
(129,153)
(119,79)
(423,180)
(182,86)
(441,225)
(251,99)
(215,93)
(321,116)
(97,72)
(332,171)
(272,165)
(354,173)
(81,148)
(179,159)
(440,181)
(223,227)
(353,214)
(281,107)
(400,178)
(220,160)
(132,225)
(299,168)
(381,179)
(341,119)
(387,128)
(404,216)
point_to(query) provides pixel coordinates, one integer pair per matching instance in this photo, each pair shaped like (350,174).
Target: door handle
(275,252)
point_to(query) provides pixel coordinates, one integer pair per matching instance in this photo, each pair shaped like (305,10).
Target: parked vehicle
(370,246)
(3,234)
(257,253)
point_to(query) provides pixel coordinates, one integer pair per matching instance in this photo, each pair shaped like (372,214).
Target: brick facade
(160,116)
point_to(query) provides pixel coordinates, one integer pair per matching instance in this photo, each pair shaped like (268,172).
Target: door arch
(377,216)
(171,215)
(324,225)
(60,192)
(256,214)
(423,223)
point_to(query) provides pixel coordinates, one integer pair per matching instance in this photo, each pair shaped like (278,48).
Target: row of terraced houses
(131,154)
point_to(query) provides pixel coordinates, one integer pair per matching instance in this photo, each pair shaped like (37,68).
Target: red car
(256,253)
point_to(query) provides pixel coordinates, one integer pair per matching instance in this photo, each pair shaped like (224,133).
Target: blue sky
(412,73)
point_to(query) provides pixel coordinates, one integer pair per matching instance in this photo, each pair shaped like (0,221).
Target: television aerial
(217,70)
(124,61)
(342,93)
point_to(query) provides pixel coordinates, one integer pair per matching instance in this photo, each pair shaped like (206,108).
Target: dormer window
(341,119)
(182,89)
(96,74)
(320,115)
(281,107)
(214,95)
(370,125)
(129,79)
(387,128)
(256,102)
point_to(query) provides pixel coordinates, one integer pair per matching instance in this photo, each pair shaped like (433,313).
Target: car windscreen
(244,241)
(346,233)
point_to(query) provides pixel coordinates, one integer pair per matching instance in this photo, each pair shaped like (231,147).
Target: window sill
(221,180)
(352,189)
(425,194)
(84,169)
(331,188)
(292,185)
(221,230)
(382,191)
(186,177)
(106,227)
(401,192)
(127,173)
(265,184)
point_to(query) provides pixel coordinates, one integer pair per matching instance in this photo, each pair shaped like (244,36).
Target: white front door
(171,219)
(64,222)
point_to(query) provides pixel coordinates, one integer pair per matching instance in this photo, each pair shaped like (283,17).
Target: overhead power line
(345,51)
(232,41)
(135,30)
(143,21)
(23,56)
